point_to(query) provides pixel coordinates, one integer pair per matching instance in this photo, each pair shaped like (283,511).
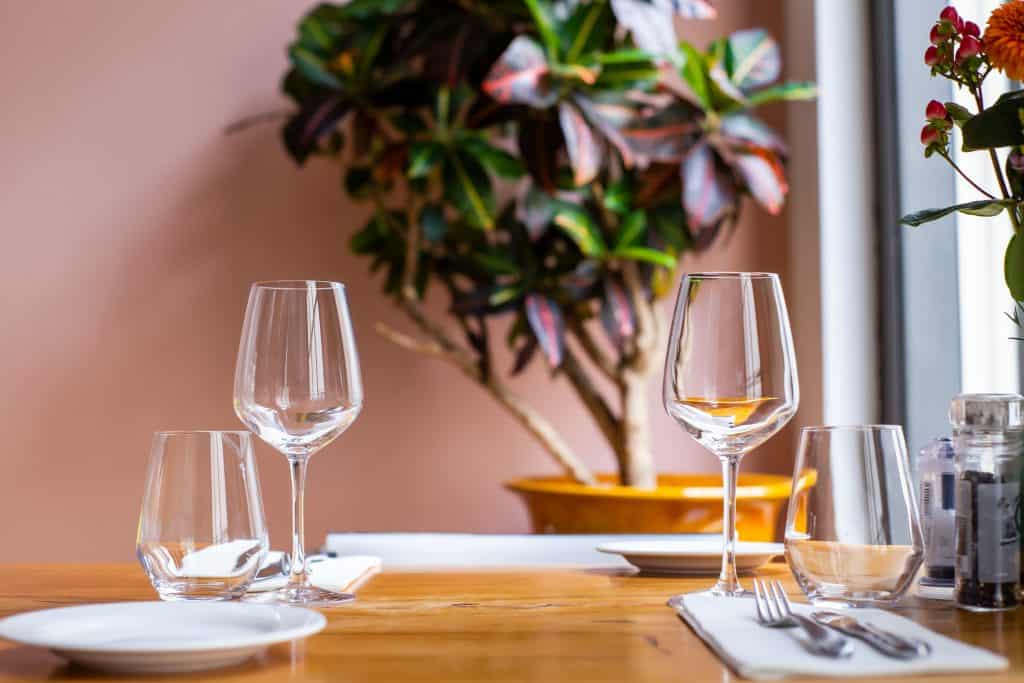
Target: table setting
(854,544)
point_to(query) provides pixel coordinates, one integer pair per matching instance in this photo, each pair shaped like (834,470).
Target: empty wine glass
(730,378)
(201,532)
(298,387)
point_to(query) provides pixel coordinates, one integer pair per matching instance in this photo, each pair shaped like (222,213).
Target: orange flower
(1004,39)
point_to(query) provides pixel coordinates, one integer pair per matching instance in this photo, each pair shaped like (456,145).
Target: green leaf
(359,182)
(624,56)
(497,160)
(540,10)
(575,222)
(658,258)
(618,197)
(496,264)
(997,126)
(433,223)
(632,228)
(1013,267)
(985,207)
(467,186)
(313,67)
(424,157)
(960,114)
(669,222)
(588,29)
(783,92)
(694,72)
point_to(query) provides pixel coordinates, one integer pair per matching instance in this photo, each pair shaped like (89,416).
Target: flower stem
(979,99)
(963,175)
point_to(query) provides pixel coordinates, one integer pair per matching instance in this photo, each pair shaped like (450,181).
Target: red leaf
(609,118)
(539,142)
(317,118)
(746,131)
(585,150)
(617,314)
(765,178)
(666,135)
(708,194)
(545,320)
(520,76)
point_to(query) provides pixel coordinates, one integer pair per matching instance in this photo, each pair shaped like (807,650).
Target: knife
(886,642)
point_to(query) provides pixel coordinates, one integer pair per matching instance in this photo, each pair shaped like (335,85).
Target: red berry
(929,136)
(969,47)
(935,111)
(931,56)
(971,29)
(950,14)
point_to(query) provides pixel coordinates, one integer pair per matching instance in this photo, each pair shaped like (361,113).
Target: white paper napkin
(338,574)
(730,628)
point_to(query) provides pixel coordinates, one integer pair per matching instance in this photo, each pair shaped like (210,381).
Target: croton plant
(545,163)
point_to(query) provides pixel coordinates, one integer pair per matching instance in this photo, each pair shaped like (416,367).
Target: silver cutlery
(774,611)
(886,642)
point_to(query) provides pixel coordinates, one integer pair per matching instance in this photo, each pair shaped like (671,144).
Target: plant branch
(442,346)
(593,400)
(949,160)
(594,352)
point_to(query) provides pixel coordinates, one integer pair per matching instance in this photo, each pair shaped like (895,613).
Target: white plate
(161,637)
(690,557)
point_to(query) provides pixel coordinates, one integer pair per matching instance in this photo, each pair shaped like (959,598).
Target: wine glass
(297,387)
(730,378)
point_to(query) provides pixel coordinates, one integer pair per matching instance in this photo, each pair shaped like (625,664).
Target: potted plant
(546,162)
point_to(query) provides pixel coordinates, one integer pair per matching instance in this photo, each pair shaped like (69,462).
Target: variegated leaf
(745,130)
(585,149)
(666,135)
(765,178)
(520,76)
(548,327)
(617,316)
(316,119)
(755,59)
(708,194)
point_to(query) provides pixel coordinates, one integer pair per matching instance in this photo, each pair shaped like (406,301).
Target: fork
(774,611)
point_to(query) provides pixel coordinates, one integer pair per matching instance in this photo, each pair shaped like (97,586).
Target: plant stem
(979,99)
(963,175)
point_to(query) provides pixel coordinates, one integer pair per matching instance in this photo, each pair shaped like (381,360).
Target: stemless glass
(860,542)
(297,387)
(201,532)
(730,378)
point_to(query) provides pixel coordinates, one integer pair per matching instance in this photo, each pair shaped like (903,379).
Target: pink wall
(132,229)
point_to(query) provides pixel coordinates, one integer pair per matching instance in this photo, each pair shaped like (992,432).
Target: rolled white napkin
(730,628)
(338,574)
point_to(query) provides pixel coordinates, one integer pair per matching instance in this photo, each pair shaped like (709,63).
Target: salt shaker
(937,486)
(988,435)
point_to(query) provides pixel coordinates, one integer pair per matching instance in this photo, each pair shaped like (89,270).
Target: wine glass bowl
(730,377)
(298,387)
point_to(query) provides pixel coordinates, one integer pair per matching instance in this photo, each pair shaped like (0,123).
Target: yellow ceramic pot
(682,503)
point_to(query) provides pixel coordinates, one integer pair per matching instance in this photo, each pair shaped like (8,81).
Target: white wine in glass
(298,387)
(730,378)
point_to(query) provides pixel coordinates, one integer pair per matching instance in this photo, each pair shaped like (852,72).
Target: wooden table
(545,625)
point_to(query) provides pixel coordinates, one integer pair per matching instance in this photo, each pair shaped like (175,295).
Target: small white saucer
(690,557)
(161,637)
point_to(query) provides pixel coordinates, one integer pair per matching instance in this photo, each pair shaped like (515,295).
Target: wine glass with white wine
(730,378)
(298,387)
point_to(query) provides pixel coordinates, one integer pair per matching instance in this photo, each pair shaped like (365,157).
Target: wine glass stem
(298,559)
(728,584)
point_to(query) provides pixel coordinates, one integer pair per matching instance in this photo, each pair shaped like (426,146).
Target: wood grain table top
(522,625)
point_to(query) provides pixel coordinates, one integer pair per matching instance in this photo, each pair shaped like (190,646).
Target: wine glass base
(716,591)
(301,596)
